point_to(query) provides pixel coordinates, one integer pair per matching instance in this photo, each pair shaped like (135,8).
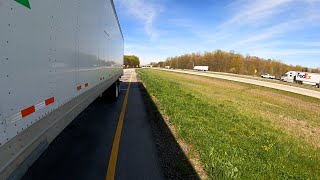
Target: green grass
(233,126)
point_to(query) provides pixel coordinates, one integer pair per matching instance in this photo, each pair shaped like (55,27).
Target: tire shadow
(174,162)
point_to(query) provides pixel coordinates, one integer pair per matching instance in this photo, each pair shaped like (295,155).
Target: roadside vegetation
(131,61)
(231,62)
(240,131)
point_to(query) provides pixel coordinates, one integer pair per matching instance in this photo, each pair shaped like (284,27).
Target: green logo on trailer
(24,3)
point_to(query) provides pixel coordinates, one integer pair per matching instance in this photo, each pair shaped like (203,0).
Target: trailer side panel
(53,54)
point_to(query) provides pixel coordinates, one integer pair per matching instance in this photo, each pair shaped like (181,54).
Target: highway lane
(82,150)
(297,90)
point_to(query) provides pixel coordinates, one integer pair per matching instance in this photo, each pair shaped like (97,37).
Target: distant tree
(154,63)
(233,62)
(160,64)
(131,61)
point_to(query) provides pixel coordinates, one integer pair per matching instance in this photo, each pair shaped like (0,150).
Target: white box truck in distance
(302,78)
(56,57)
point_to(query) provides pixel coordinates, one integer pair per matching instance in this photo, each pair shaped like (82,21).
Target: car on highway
(268,76)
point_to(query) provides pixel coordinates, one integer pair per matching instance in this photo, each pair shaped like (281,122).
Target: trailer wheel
(112,93)
(116,89)
(117,84)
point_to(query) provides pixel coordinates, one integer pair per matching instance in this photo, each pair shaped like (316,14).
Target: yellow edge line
(115,147)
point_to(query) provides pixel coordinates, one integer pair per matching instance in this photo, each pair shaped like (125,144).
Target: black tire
(112,93)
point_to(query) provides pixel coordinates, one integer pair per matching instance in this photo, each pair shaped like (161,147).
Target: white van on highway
(268,76)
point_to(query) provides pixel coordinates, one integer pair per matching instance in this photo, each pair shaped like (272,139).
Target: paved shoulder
(137,157)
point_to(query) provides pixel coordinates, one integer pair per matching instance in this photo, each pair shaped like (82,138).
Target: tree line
(232,62)
(131,61)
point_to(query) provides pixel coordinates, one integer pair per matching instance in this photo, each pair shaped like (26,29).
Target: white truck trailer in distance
(201,68)
(302,78)
(56,57)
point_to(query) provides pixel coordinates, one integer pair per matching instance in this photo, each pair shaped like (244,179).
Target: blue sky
(287,30)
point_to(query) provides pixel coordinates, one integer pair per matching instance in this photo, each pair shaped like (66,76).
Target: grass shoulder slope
(240,130)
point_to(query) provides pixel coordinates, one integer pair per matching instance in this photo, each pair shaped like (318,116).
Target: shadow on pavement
(174,162)
(82,150)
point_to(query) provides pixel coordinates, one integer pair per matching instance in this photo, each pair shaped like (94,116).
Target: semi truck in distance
(302,78)
(56,58)
(201,68)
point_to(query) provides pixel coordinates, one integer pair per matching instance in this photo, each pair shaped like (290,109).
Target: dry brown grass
(287,99)
(296,128)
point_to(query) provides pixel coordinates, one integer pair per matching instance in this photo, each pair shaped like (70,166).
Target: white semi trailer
(201,68)
(302,78)
(56,57)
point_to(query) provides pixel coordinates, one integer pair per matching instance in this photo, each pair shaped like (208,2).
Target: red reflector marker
(86,85)
(49,101)
(79,88)
(28,111)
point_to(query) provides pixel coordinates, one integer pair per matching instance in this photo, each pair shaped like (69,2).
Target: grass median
(239,130)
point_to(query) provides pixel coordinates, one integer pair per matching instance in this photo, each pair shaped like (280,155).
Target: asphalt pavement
(82,150)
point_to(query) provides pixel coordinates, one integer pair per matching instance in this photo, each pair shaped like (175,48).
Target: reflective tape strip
(15,117)
(30,110)
(40,106)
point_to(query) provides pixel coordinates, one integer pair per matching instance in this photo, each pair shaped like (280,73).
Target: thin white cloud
(272,31)
(286,52)
(309,44)
(181,22)
(255,39)
(245,15)
(146,12)
(250,12)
